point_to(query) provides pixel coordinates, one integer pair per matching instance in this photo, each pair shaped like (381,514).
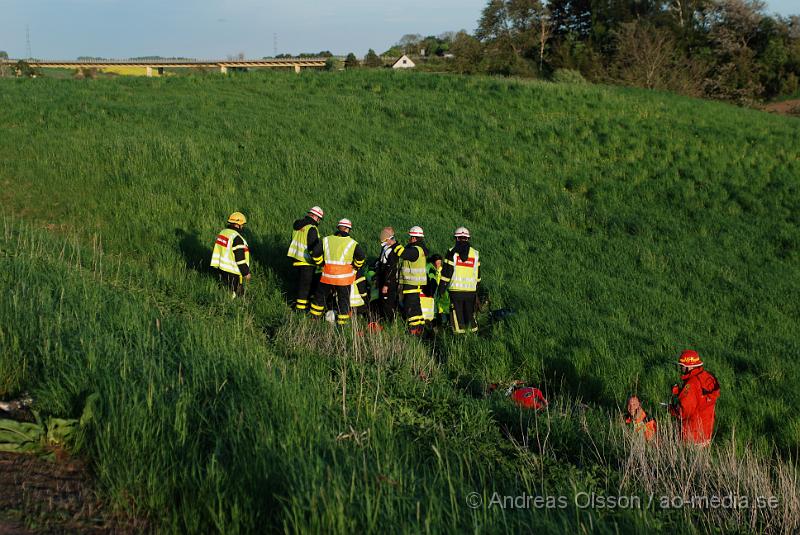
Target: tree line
(725,49)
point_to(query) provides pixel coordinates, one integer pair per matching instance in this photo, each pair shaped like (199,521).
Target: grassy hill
(621,226)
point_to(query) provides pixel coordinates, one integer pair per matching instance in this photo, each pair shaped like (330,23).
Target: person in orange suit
(639,420)
(694,402)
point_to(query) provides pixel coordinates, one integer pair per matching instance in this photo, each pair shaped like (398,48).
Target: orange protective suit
(694,405)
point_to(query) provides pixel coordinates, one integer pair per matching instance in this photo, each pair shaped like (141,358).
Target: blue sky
(217,28)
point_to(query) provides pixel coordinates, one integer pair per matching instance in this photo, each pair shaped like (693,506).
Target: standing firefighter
(231,256)
(694,402)
(342,257)
(412,259)
(461,276)
(305,236)
(386,275)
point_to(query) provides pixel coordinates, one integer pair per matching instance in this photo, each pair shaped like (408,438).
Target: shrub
(568,76)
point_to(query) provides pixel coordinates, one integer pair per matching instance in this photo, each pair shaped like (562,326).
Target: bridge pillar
(223,69)
(148,71)
(297,68)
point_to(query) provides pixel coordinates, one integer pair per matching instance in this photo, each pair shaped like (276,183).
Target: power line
(28,41)
(274,44)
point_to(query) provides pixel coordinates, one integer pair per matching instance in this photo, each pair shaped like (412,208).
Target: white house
(403,63)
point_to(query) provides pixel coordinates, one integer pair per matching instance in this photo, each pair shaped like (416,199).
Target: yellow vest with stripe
(428,307)
(414,273)
(338,255)
(355,298)
(223,257)
(465,272)
(298,249)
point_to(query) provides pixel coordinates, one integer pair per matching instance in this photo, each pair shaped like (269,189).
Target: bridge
(160,65)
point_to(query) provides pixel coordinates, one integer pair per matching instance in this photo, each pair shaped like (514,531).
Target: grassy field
(621,226)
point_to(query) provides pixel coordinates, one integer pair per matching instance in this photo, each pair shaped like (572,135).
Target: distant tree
(23,69)
(410,43)
(650,57)
(351,62)
(514,30)
(447,37)
(330,64)
(467,52)
(5,68)
(395,52)
(372,60)
(325,54)
(734,26)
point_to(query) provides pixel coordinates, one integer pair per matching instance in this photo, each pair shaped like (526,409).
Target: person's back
(703,387)
(694,402)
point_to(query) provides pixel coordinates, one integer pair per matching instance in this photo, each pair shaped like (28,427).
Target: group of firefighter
(427,288)
(331,273)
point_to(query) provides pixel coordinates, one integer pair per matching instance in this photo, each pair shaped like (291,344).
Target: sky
(208,29)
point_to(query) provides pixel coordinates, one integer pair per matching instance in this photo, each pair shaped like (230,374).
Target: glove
(675,390)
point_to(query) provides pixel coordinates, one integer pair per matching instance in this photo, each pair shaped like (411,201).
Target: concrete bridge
(160,65)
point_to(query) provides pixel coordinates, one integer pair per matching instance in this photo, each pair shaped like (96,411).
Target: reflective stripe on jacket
(428,307)
(338,257)
(413,273)
(223,257)
(465,272)
(298,249)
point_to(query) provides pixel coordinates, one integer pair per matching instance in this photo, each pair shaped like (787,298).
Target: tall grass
(620,226)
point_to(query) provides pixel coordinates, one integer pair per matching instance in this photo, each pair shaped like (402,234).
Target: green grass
(622,226)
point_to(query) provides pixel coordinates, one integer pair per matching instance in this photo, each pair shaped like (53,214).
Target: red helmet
(529,397)
(690,359)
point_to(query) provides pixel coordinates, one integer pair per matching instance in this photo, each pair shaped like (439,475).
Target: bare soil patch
(38,496)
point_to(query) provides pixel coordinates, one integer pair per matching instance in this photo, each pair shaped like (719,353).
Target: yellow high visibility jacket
(428,307)
(298,249)
(414,273)
(356,299)
(338,257)
(466,274)
(223,256)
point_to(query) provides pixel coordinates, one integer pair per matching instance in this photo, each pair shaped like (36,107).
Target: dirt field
(39,496)
(787,107)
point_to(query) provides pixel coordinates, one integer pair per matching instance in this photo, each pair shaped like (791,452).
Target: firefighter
(461,278)
(386,275)
(639,420)
(305,236)
(413,278)
(341,256)
(231,256)
(694,401)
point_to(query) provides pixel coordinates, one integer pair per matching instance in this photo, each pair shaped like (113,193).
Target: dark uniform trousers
(342,294)
(231,282)
(305,280)
(412,307)
(462,306)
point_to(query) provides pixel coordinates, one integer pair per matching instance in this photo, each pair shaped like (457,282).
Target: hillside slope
(620,225)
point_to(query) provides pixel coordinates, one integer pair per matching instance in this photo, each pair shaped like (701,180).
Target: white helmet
(345,223)
(461,232)
(416,232)
(317,211)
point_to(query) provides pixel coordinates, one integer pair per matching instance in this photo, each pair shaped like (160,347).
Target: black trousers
(462,307)
(342,294)
(231,282)
(388,303)
(412,307)
(304,283)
